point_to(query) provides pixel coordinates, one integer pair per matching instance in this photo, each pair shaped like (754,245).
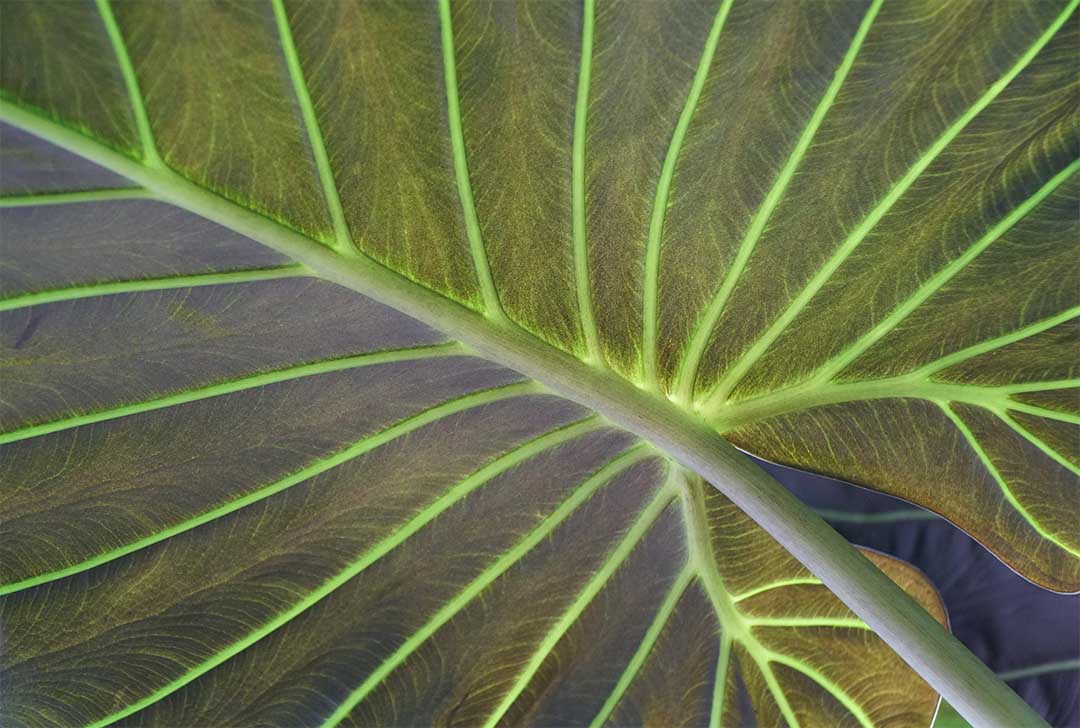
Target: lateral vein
(826,684)
(492,306)
(722,390)
(461,489)
(1006,491)
(646,518)
(131,82)
(109,288)
(322,465)
(983,347)
(703,329)
(652,634)
(650,303)
(343,242)
(723,665)
(512,556)
(943,276)
(1038,442)
(919,383)
(1043,669)
(65,198)
(235,385)
(1049,414)
(793,622)
(761,589)
(577,192)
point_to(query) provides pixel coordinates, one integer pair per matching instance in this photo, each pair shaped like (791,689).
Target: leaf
(556,169)
(237,494)
(789,221)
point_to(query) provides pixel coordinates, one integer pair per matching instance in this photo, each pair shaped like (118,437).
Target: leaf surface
(791,224)
(789,221)
(235,493)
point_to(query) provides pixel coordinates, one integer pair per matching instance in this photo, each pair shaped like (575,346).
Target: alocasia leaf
(244,495)
(838,234)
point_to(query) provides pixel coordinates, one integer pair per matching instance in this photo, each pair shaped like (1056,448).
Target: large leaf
(198,464)
(246,496)
(823,229)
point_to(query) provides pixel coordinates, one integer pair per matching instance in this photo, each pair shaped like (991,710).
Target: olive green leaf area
(840,234)
(843,234)
(235,494)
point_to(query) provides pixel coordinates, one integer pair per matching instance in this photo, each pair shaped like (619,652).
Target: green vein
(795,581)
(343,242)
(703,559)
(1038,442)
(235,385)
(1044,669)
(919,383)
(723,663)
(773,684)
(652,634)
(453,495)
(983,347)
(1028,387)
(795,622)
(939,279)
(898,516)
(828,685)
(109,288)
(64,198)
(703,330)
(577,191)
(731,621)
(492,307)
(1043,412)
(615,559)
(512,556)
(151,158)
(1010,497)
(650,303)
(382,283)
(737,625)
(750,357)
(322,465)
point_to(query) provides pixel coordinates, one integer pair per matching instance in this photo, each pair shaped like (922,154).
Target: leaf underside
(285,504)
(235,493)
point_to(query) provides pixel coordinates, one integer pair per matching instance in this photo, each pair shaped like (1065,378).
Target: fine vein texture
(292,531)
(786,225)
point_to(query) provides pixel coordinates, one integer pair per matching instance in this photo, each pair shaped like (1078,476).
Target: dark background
(1011,624)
